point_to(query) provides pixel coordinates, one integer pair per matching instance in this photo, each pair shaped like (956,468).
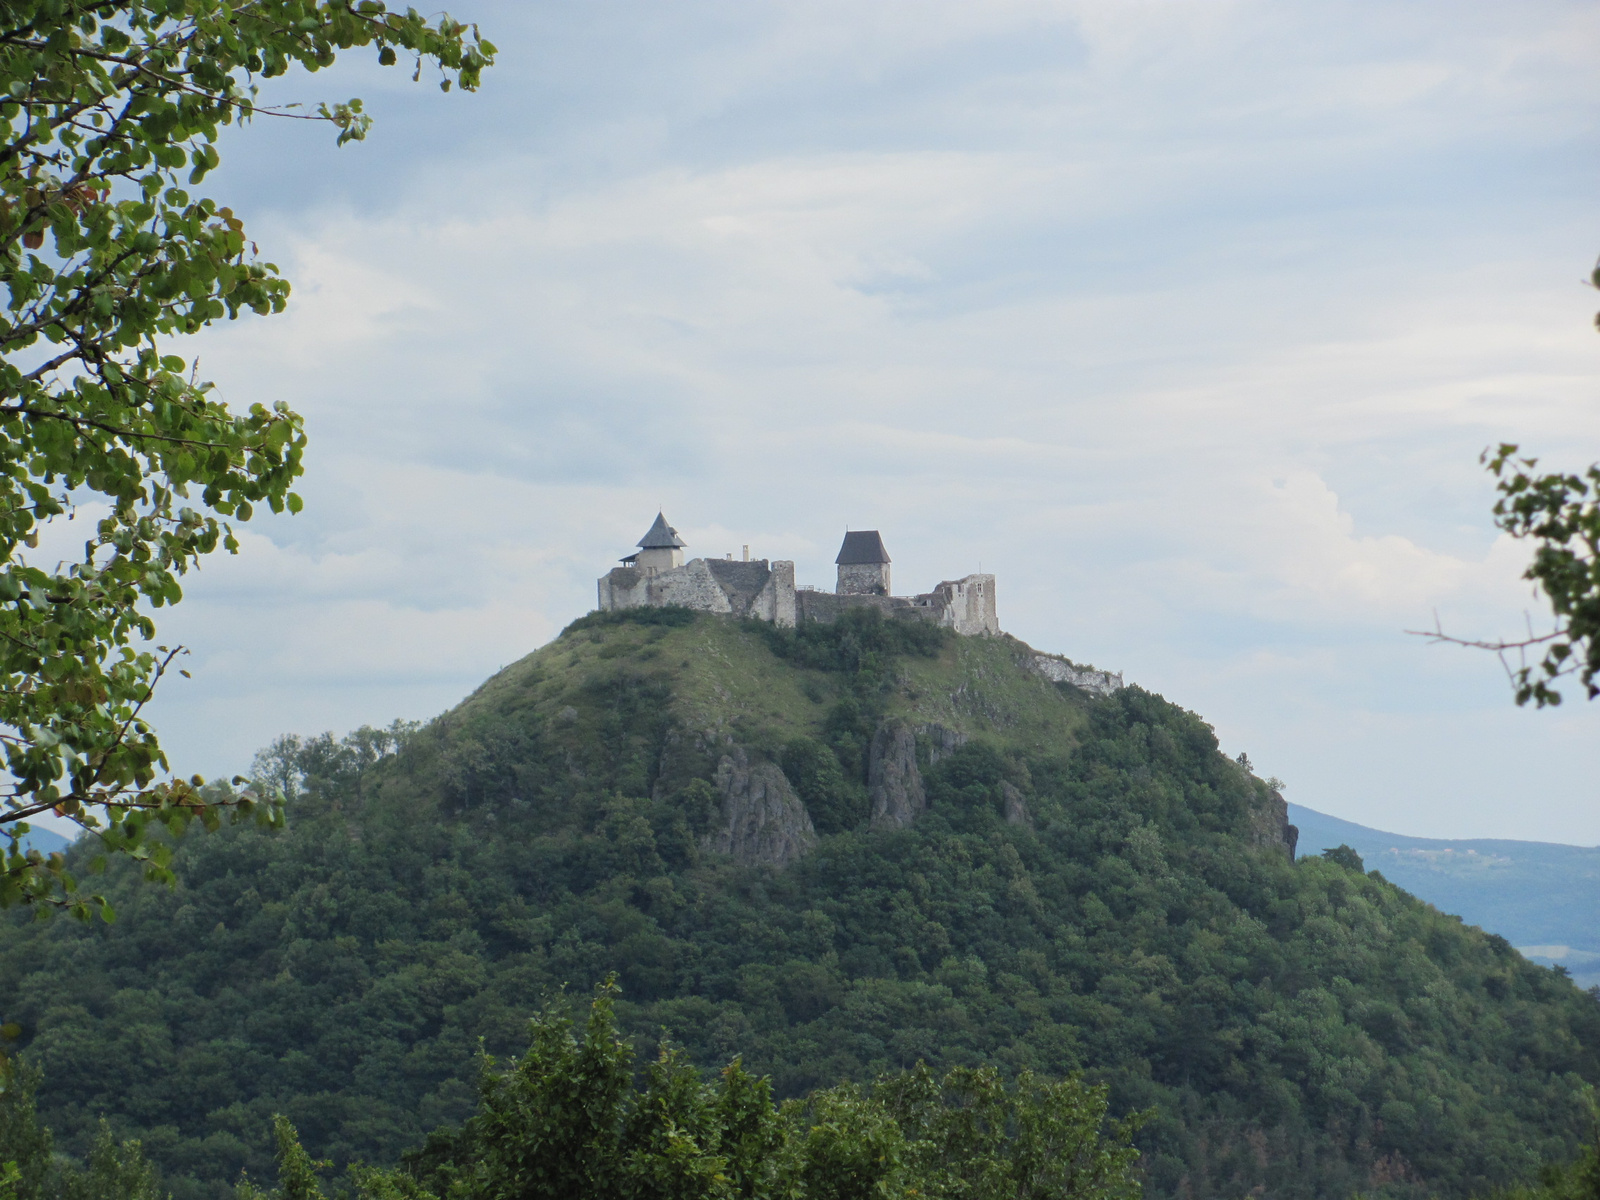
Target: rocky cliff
(894,785)
(763,821)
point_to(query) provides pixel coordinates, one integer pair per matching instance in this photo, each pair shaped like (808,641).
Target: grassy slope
(718,675)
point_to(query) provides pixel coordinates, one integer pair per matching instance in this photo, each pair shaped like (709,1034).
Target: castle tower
(863,565)
(660,549)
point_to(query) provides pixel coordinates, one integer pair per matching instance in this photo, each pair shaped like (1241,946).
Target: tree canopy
(1305,1027)
(110,115)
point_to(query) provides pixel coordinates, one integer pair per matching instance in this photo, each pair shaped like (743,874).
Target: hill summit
(834,849)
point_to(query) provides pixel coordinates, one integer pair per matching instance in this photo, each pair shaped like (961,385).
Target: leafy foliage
(1345,857)
(566,1120)
(32,1171)
(1561,513)
(671,616)
(110,110)
(1306,1028)
(1575,1180)
(861,641)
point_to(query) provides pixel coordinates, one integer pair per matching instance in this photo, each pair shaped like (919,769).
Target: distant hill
(1542,897)
(43,840)
(833,851)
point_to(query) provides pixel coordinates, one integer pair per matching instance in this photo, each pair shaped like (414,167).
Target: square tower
(863,565)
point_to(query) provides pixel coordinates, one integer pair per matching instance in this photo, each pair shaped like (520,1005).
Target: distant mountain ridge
(1542,897)
(46,841)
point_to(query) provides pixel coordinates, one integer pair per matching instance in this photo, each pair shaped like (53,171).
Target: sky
(1187,319)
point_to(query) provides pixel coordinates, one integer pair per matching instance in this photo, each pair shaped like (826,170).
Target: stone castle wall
(691,585)
(766,591)
(967,605)
(864,579)
(826,606)
(739,589)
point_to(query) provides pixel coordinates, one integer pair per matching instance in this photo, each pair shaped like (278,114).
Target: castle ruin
(657,576)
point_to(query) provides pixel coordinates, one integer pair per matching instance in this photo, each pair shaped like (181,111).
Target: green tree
(552,1126)
(1560,513)
(1575,1180)
(31,1170)
(566,1121)
(970,1135)
(110,111)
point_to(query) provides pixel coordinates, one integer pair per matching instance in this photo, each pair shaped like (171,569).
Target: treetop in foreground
(567,1120)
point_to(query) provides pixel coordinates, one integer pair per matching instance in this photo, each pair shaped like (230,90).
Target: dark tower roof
(862,546)
(661,536)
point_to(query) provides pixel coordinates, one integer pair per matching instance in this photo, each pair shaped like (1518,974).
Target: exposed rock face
(1059,670)
(894,785)
(1269,826)
(763,821)
(1016,805)
(942,742)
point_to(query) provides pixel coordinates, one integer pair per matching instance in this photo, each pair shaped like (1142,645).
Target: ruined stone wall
(776,600)
(622,587)
(691,585)
(754,589)
(966,605)
(741,582)
(767,591)
(826,606)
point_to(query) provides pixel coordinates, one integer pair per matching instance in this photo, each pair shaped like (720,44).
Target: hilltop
(834,850)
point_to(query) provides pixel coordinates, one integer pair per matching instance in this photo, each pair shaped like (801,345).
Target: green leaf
(118,427)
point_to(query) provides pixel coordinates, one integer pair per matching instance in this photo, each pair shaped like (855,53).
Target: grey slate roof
(661,536)
(862,546)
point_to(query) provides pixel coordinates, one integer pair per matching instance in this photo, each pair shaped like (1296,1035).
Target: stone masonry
(657,577)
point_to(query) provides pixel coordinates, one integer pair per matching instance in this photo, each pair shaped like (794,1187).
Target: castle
(657,576)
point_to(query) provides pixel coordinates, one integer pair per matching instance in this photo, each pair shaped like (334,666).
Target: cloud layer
(1188,319)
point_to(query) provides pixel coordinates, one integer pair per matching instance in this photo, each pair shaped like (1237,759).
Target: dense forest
(1088,885)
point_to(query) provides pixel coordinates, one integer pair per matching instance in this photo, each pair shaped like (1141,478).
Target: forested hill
(833,852)
(1543,898)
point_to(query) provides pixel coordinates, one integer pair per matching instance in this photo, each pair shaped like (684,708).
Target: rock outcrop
(894,785)
(1059,670)
(763,821)
(1269,825)
(941,742)
(1015,805)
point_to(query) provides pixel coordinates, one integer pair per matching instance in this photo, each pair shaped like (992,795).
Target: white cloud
(1189,319)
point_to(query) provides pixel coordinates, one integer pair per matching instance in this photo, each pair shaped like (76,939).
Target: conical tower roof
(661,536)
